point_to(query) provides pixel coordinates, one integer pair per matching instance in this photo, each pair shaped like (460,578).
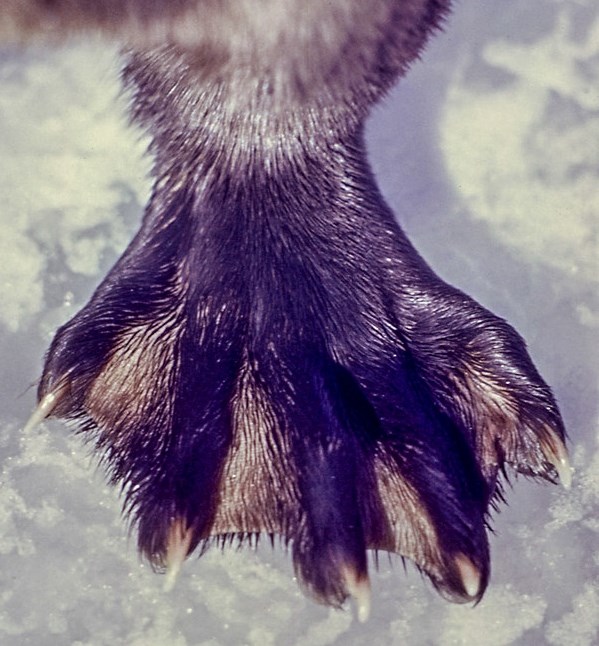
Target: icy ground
(489,153)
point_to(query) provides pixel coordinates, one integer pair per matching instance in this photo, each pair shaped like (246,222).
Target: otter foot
(271,355)
(346,402)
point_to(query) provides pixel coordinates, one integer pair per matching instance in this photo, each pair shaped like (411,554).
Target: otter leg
(270,355)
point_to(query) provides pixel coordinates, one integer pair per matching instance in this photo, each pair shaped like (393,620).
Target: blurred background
(488,151)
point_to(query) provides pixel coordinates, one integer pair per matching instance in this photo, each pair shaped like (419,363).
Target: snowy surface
(489,153)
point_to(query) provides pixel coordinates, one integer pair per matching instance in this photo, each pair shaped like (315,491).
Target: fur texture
(271,355)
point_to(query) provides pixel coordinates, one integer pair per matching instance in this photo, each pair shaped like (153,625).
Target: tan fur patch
(136,381)
(413,532)
(257,486)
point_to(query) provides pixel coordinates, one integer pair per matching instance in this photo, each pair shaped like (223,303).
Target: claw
(44,409)
(557,455)
(179,540)
(358,587)
(469,575)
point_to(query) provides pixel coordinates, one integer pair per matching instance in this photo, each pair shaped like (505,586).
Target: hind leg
(271,355)
(241,375)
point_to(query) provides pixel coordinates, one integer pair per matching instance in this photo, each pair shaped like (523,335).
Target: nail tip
(470,576)
(42,411)
(177,549)
(358,588)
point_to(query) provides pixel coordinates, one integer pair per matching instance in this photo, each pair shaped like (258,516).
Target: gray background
(489,154)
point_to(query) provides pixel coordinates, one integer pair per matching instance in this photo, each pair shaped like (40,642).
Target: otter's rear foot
(341,413)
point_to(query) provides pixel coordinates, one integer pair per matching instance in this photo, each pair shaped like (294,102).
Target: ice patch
(502,617)
(67,156)
(579,627)
(524,153)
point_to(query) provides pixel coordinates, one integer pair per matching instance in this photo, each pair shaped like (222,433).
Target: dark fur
(271,355)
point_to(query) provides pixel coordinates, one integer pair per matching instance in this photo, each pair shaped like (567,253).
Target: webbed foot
(345,402)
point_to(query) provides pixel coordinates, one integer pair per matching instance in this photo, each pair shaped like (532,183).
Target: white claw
(556,453)
(469,574)
(179,540)
(564,470)
(43,410)
(359,589)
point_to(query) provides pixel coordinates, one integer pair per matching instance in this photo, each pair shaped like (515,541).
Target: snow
(488,152)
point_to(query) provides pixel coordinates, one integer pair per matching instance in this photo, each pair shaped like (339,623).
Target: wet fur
(270,355)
